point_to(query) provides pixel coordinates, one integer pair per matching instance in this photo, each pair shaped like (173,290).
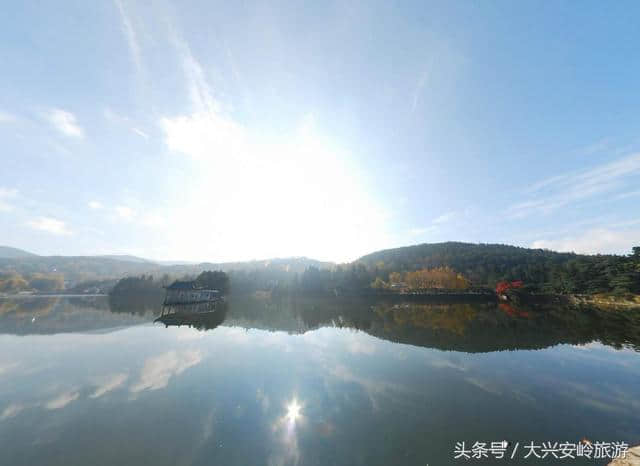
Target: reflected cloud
(360,344)
(487,386)
(158,370)
(109,383)
(62,400)
(12,410)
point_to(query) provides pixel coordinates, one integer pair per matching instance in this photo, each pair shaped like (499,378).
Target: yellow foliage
(13,283)
(453,318)
(440,277)
(379,284)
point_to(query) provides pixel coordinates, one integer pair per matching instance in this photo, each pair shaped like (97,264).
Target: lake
(312,382)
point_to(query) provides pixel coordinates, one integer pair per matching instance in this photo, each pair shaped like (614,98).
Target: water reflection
(457,327)
(307,382)
(199,316)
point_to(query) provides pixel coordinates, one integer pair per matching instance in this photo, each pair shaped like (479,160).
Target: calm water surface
(308,382)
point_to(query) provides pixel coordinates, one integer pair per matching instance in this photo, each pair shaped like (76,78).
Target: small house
(188,292)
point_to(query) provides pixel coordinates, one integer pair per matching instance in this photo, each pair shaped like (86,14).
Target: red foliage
(512,311)
(501,287)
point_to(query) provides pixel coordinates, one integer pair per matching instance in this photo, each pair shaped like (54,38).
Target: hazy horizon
(231,132)
(162,261)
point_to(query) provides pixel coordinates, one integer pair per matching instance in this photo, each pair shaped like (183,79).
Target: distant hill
(539,269)
(75,268)
(482,263)
(90,268)
(287,264)
(437,254)
(12,253)
(127,258)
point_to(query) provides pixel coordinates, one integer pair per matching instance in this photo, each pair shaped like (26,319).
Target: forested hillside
(541,270)
(13,253)
(450,265)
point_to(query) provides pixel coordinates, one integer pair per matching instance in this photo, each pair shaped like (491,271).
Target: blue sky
(239,130)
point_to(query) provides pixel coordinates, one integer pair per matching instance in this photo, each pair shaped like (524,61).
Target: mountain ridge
(9,252)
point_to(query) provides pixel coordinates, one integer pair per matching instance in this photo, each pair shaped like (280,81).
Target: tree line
(446,266)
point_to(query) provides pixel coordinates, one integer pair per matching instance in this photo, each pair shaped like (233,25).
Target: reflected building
(202,316)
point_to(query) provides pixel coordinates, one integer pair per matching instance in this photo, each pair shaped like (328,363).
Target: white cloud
(125,212)
(560,190)
(108,384)
(65,122)
(50,225)
(5,195)
(95,205)
(62,400)
(159,369)
(594,241)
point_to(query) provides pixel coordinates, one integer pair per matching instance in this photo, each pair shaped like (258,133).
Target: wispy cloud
(560,190)
(436,223)
(130,35)
(6,195)
(50,225)
(117,118)
(95,205)
(140,133)
(444,218)
(65,122)
(628,194)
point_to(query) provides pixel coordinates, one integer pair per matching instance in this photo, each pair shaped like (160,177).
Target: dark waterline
(308,382)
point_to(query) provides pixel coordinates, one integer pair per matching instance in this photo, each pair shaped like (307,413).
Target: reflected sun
(293,411)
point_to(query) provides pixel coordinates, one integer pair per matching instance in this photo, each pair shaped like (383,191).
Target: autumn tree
(439,277)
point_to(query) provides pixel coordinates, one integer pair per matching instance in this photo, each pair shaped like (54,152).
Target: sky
(222,131)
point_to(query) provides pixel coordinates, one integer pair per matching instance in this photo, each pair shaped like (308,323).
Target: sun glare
(293,411)
(303,186)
